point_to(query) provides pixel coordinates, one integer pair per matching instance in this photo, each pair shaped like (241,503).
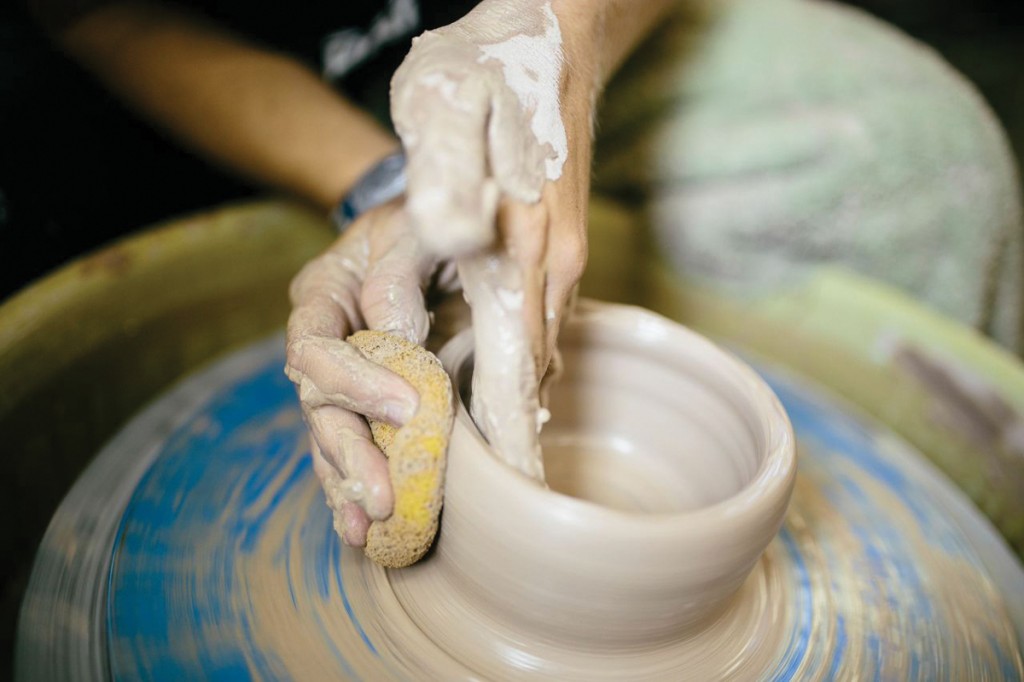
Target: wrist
(381,183)
(355,150)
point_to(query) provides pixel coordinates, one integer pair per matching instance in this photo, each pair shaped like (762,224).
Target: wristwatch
(379,185)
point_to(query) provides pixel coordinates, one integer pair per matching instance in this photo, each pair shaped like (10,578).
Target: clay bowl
(670,465)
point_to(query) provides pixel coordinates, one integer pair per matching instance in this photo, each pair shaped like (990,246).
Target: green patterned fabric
(758,140)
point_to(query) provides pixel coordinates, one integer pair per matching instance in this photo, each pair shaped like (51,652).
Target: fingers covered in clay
(350,520)
(548,243)
(371,275)
(345,443)
(416,451)
(497,130)
(328,372)
(392,297)
(477,106)
(450,199)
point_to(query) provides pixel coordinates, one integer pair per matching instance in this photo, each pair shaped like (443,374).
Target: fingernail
(351,542)
(398,412)
(378,505)
(339,526)
(353,490)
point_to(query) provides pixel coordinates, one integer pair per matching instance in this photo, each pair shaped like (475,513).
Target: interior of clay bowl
(670,466)
(628,433)
(648,417)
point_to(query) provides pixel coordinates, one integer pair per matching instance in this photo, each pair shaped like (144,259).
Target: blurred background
(78,170)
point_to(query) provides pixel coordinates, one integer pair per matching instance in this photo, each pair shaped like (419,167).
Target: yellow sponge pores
(416,452)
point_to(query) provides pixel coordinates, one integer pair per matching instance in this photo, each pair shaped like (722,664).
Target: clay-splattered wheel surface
(215,559)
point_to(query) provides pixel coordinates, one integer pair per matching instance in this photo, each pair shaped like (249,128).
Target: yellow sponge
(416,452)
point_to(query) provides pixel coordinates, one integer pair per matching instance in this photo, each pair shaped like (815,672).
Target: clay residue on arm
(531,66)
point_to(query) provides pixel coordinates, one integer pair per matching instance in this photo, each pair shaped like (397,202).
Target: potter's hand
(371,277)
(489,117)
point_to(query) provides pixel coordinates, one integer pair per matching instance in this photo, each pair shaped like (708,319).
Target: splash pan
(197,545)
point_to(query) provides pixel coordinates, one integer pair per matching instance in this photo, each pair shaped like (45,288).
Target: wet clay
(704,435)
(477,105)
(488,88)
(505,403)
(665,444)
(531,62)
(225,537)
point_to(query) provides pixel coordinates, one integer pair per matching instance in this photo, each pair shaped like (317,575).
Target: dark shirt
(339,37)
(78,169)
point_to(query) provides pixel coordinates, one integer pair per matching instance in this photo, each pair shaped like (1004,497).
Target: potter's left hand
(497,135)
(372,277)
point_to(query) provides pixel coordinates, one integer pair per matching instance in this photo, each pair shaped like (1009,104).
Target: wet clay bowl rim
(776,473)
(583,575)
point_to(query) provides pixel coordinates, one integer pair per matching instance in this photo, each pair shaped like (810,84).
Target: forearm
(598,36)
(594,36)
(604,33)
(261,114)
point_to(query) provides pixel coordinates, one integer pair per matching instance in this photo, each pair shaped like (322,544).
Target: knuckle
(527,232)
(571,260)
(300,346)
(294,353)
(298,285)
(310,395)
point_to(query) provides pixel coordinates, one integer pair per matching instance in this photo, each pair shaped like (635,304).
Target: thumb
(392,297)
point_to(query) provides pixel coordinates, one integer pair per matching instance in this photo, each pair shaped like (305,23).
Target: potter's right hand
(371,277)
(496,132)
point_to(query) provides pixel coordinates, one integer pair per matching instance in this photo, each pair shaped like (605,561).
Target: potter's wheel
(197,546)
